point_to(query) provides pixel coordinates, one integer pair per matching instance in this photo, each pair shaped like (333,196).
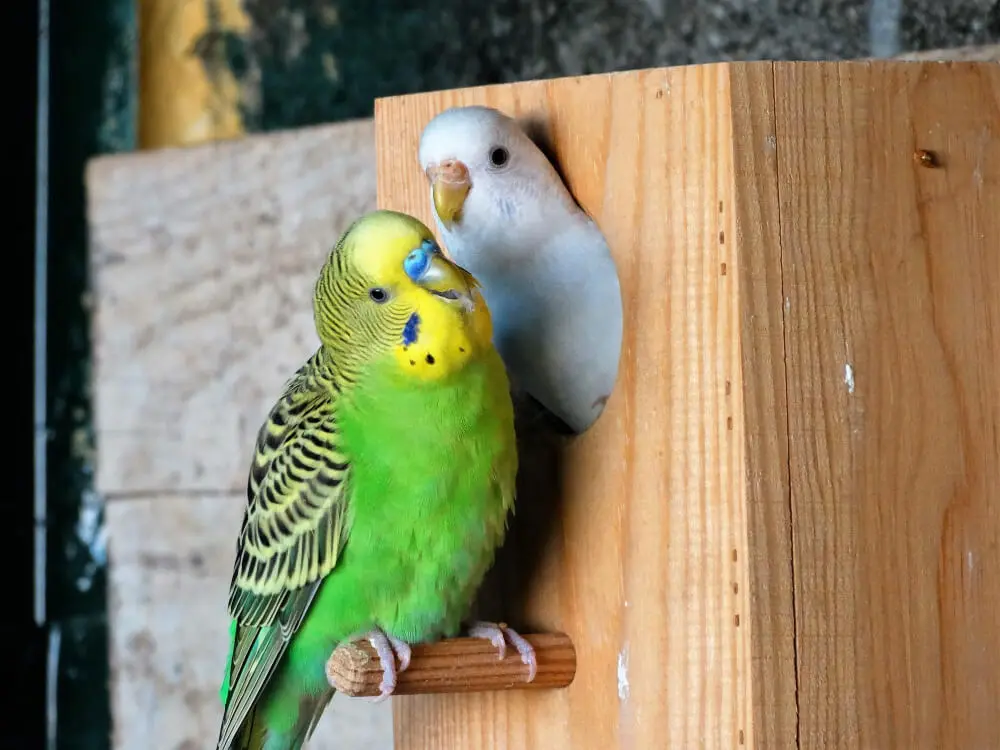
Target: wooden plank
(651,531)
(772,617)
(892,282)
(171,560)
(203,262)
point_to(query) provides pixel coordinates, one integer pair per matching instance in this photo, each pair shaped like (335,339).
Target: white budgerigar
(546,271)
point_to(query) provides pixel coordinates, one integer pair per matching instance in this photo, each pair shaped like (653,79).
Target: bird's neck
(386,399)
(335,365)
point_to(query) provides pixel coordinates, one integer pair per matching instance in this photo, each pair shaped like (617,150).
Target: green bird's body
(380,486)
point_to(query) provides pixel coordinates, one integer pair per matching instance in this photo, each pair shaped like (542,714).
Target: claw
(492,633)
(389,649)
(402,651)
(498,634)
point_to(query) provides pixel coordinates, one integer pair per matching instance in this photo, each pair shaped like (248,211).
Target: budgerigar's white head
(489,180)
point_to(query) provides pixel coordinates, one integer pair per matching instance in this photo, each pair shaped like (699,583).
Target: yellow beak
(449,281)
(450,185)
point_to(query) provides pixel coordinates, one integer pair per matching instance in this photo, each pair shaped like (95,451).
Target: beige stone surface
(203,263)
(171,559)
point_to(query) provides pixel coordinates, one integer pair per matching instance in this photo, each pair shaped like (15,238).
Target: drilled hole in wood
(926,158)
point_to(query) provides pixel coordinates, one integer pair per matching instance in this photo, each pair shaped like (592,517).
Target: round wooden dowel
(455,665)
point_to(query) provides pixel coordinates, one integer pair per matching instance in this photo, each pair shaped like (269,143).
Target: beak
(446,280)
(450,184)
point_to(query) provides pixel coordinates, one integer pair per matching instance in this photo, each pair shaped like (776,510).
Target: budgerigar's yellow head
(386,288)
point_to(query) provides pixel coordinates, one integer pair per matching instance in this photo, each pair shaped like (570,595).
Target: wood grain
(171,560)
(768,493)
(455,665)
(203,262)
(651,533)
(773,231)
(892,281)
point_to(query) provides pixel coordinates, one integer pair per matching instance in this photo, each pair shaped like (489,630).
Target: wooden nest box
(784,531)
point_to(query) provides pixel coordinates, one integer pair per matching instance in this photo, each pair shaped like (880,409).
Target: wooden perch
(455,665)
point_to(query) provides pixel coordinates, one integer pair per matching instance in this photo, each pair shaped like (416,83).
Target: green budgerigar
(380,485)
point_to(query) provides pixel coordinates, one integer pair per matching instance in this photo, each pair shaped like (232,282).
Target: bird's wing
(293,532)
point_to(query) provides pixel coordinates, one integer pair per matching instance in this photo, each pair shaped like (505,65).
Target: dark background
(310,61)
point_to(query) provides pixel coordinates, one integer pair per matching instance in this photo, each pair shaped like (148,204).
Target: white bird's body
(546,271)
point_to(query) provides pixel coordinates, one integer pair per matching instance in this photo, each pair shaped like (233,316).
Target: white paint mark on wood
(623,685)
(849,377)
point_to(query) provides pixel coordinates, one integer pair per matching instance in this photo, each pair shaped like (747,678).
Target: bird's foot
(389,649)
(498,634)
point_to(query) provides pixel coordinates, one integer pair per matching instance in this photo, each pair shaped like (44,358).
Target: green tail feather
(251,736)
(254,734)
(224,688)
(321,705)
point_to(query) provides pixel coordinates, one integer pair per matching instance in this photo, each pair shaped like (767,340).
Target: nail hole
(926,158)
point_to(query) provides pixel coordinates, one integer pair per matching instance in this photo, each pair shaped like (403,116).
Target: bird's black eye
(378,294)
(499,157)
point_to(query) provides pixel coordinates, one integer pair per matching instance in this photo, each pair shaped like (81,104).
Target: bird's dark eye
(499,157)
(378,294)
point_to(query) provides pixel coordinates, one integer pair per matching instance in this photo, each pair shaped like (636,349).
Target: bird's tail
(256,735)
(320,706)
(252,734)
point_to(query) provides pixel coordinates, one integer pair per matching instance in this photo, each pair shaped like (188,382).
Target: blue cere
(416,263)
